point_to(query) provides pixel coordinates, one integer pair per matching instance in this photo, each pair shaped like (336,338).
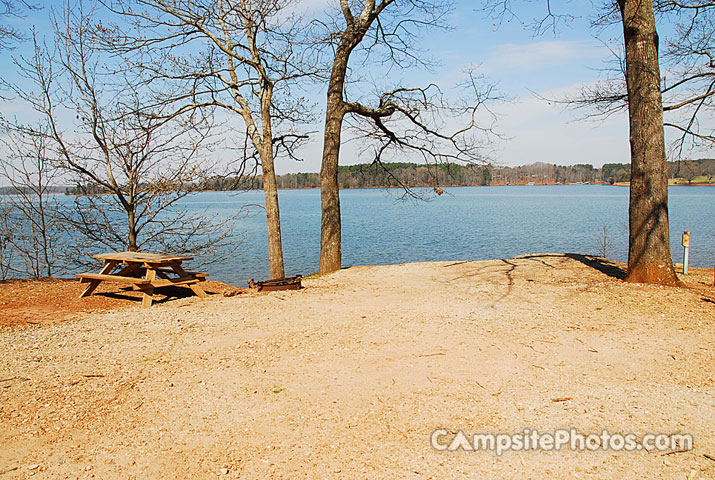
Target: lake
(466,223)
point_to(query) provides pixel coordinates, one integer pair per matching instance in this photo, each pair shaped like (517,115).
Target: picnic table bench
(145,272)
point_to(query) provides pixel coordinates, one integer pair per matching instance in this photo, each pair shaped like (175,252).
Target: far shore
(382,187)
(535,184)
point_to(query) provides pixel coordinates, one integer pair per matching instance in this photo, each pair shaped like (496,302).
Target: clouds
(534,56)
(541,131)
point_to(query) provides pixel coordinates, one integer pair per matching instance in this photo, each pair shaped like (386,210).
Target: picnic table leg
(148,289)
(193,286)
(130,268)
(198,290)
(93,284)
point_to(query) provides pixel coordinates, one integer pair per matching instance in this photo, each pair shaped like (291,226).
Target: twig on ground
(561,399)
(16,377)
(531,347)
(673,452)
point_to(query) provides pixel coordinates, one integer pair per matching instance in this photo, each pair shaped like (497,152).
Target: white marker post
(686,255)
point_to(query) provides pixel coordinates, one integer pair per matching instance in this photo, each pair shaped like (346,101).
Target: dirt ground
(48,301)
(350,376)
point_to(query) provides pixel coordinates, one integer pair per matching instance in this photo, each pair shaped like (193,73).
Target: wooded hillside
(410,174)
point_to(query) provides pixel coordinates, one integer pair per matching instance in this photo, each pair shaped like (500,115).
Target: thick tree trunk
(273,218)
(330,225)
(649,259)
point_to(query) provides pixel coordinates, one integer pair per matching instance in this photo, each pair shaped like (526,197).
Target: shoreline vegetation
(672,182)
(411,175)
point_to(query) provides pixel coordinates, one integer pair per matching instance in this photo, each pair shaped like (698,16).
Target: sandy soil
(349,377)
(51,300)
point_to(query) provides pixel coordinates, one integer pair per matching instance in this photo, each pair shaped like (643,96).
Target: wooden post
(686,254)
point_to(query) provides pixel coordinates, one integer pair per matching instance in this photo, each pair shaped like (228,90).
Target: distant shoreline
(616,184)
(627,184)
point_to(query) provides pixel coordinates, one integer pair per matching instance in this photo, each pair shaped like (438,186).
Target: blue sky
(524,68)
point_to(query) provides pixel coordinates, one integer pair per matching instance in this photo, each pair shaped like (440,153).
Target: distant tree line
(50,189)
(411,174)
(402,174)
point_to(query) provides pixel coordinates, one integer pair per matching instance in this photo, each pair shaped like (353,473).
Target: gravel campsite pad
(351,376)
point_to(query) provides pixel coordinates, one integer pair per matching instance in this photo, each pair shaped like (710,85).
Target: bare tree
(31,233)
(649,258)
(685,94)
(24,217)
(404,118)
(12,9)
(604,244)
(142,163)
(239,56)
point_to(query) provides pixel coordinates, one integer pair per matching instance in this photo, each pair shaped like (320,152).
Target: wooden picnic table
(145,272)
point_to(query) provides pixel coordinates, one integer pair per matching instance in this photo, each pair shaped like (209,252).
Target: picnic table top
(142,257)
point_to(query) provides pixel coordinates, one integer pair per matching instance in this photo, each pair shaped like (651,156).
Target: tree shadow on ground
(601,264)
(510,281)
(540,258)
(605,266)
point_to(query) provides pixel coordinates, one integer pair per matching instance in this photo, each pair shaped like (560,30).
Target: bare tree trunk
(45,244)
(132,231)
(265,149)
(330,225)
(273,219)
(649,259)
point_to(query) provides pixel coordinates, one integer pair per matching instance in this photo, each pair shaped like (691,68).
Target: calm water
(467,223)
